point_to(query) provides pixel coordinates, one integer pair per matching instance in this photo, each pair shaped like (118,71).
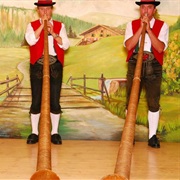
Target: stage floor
(89,160)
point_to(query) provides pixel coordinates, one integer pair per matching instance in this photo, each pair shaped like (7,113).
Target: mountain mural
(79,8)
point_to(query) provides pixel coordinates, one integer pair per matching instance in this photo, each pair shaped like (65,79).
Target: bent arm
(131,39)
(32,36)
(156,43)
(61,38)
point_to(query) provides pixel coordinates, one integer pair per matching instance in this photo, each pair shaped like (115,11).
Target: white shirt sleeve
(65,41)
(164,35)
(128,32)
(30,36)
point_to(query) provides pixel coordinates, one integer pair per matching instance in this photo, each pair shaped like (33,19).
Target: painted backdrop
(96,60)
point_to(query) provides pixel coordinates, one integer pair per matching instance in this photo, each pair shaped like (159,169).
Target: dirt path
(82,118)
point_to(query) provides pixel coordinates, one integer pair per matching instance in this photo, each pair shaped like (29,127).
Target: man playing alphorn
(58,42)
(156,41)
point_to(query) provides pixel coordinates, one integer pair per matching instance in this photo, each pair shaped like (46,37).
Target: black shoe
(56,139)
(154,142)
(32,139)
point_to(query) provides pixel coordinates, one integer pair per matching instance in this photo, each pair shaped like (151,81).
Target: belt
(147,56)
(52,60)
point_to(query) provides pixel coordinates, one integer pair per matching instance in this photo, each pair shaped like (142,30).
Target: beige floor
(89,160)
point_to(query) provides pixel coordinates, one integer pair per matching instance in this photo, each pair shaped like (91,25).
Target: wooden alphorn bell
(123,162)
(44,145)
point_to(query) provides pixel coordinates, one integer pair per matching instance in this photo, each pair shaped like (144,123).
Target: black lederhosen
(36,77)
(151,77)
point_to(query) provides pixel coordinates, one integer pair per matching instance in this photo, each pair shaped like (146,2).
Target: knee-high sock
(55,118)
(153,119)
(35,123)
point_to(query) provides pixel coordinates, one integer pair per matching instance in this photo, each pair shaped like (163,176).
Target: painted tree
(171,67)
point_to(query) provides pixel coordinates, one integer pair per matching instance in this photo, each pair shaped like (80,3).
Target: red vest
(156,30)
(36,51)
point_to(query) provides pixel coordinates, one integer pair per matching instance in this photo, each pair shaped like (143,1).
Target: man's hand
(146,20)
(50,28)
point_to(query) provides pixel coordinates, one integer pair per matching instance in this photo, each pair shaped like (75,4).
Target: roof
(112,29)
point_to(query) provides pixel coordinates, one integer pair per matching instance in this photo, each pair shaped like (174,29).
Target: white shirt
(163,35)
(31,39)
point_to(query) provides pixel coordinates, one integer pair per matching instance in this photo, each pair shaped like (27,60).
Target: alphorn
(123,162)
(43,170)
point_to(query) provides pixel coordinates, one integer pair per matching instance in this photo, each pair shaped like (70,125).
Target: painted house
(98,32)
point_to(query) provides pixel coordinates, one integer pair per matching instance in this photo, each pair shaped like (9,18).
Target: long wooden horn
(44,145)
(123,163)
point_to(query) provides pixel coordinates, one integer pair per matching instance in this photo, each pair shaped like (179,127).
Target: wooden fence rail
(11,84)
(101,90)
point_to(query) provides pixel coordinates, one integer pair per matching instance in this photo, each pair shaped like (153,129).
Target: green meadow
(106,56)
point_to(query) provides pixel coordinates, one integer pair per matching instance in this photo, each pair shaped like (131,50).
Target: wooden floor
(89,160)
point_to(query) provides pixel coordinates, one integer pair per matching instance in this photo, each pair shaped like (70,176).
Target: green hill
(105,56)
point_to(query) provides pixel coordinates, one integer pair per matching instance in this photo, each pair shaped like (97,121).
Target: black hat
(156,3)
(44,3)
